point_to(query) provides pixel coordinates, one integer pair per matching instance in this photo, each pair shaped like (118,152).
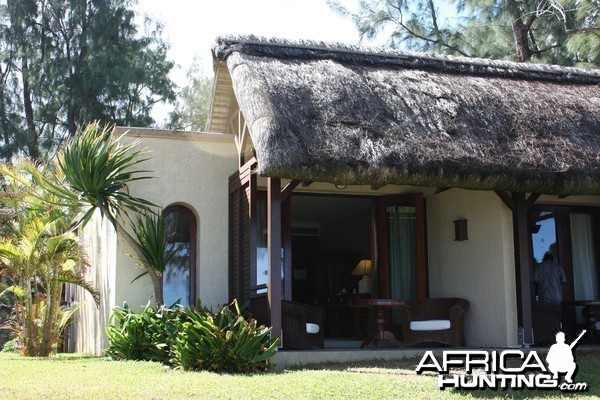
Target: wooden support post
(286,209)
(274,246)
(523,258)
(520,207)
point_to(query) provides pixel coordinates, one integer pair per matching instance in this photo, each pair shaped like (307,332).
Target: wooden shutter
(242,231)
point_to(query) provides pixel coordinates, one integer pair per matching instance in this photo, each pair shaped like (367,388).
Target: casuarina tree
(67,62)
(565,32)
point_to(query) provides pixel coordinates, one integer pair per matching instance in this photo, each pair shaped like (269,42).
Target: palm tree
(40,254)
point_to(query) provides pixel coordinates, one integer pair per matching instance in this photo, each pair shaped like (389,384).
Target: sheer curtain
(402,237)
(585,277)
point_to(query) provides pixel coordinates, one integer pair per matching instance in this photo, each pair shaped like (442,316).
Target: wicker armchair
(302,325)
(434,321)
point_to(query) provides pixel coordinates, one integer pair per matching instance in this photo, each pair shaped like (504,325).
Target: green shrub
(224,342)
(191,339)
(143,336)
(12,346)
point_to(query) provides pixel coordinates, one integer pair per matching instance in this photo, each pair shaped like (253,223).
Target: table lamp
(364,268)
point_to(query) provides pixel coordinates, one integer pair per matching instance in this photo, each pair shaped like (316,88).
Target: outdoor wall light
(460,230)
(340,187)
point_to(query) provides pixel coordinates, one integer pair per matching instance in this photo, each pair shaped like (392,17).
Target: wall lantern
(460,230)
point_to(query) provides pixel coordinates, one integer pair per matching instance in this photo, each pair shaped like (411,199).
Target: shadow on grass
(588,371)
(61,357)
(362,366)
(588,368)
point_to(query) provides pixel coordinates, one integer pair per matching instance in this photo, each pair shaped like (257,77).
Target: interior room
(330,237)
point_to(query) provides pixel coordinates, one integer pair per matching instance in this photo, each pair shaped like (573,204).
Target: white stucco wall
(193,170)
(480,269)
(88,327)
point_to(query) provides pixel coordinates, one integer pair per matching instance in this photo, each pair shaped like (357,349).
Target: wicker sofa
(434,321)
(302,325)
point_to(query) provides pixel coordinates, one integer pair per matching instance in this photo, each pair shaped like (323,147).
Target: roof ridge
(225,45)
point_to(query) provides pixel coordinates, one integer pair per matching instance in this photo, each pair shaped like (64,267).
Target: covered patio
(452,163)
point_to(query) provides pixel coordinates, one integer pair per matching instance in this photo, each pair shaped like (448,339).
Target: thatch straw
(340,114)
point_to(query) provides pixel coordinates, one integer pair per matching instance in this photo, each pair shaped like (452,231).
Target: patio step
(288,358)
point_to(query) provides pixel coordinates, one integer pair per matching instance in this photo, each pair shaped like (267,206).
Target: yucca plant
(155,255)
(98,167)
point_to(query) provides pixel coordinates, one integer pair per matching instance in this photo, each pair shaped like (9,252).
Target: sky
(190,26)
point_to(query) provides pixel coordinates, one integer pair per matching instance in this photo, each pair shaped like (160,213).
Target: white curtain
(585,277)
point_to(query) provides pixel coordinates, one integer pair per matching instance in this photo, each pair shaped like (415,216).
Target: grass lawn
(84,377)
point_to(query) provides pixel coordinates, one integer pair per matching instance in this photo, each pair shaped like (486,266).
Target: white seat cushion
(430,325)
(312,328)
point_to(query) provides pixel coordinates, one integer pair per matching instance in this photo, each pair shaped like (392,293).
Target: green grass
(84,377)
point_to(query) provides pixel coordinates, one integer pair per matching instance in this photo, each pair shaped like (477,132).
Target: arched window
(179,277)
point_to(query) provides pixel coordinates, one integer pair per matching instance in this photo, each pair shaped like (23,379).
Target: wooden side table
(381,332)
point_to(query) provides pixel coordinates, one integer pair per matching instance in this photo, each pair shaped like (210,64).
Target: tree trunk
(32,137)
(51,329)
(157,283)
(520,31)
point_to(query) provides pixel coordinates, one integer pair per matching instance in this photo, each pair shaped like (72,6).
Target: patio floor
(345,351)
(350,351)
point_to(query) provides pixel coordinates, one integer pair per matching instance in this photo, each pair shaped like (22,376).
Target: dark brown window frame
(193,243)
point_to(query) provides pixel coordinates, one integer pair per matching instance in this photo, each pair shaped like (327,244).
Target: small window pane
(176,277)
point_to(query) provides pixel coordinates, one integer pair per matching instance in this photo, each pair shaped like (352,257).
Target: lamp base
(365,285)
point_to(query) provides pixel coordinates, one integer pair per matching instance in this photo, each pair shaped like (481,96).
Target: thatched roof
(348,115)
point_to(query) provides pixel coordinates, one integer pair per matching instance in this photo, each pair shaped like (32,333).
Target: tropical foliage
(192,338)
(143,336)
(39,253)
(155,254)
(41,208)
(98,168)
(565,32)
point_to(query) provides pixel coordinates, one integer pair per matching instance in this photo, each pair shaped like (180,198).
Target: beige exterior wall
(190,169)
(480,269)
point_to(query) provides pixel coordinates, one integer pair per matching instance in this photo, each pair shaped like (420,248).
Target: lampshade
(364,267)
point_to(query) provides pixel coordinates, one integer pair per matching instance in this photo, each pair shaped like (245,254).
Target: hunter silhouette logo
(560,357)
(496,370)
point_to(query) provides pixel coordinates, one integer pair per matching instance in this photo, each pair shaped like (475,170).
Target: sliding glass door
(572,236)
